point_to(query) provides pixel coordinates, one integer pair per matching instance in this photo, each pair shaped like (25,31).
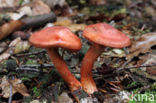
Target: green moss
(30,61)
(134,83)
(36,91)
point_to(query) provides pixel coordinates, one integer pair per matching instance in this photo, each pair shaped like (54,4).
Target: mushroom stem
(62,68)
(90,57)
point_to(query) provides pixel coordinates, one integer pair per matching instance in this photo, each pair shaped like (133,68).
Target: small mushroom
(100,35)
(51,38)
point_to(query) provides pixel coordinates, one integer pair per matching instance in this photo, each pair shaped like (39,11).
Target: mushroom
(51,38)
(100,35)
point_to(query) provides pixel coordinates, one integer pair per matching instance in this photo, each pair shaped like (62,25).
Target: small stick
(119,69)
(37,21)
(32,53)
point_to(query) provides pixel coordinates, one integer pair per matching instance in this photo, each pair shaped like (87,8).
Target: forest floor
(126,75)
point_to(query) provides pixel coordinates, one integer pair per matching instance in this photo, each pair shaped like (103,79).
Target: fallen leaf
(15,16)
(64,21)
(16,46)
(76,27)
(39,8)
(64,98)
(97,2)
(149,59)
(35,101)
(4,56)
(114,53)
(89,100)
(142,45)
(60,7)
(17,86)
(26,10)
(3,46)
(8,3)
(53,3)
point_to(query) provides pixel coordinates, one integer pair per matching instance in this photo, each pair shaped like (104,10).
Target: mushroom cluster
(101,35)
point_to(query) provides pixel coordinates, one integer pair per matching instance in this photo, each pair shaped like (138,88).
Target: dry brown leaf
(9,3)
(148,59)
(9,27)
(35,101)
(97,2)
(64,21)
(16,46)
(25,10)
(4,56)
(53,3)
(64,98)
(76,27)
(17,86)
(39,8)
(3,46)
(142,45)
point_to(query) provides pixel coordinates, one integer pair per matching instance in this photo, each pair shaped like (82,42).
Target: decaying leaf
(64,98)
(4,56)
(149,59)
(3,46)
(89,100)
(17,86)
(60,7)
(53,3)
(9,27)
(76,27)
(39,8)
(142,45)
(15,16)
(63,21)
(115,53)
(26,10)
(9,3)
(97,2)
(35,101)
(16,46)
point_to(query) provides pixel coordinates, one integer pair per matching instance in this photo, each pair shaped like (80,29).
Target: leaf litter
(142,45)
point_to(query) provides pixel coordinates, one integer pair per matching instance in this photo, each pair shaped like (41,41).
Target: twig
(32,53)
(144,74)
(28,69)
(153,65)
(125,68)
(34,67)
(38,20)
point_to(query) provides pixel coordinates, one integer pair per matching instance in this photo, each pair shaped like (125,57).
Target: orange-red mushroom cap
(57,36)
(105,34)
